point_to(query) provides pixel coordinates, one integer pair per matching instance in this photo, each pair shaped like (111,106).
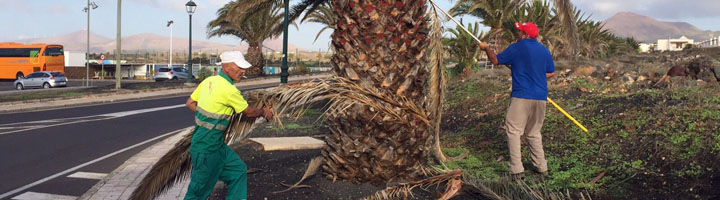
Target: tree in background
(463,48)
(251,26)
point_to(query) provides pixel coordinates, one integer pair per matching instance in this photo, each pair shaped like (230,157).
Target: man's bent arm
(192,104)
(253,112)
(549,75)
(491,55)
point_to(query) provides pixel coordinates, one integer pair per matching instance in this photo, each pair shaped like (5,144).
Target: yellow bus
(18,60)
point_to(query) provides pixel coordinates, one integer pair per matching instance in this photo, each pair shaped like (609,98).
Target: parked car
(44,79)
(170,73)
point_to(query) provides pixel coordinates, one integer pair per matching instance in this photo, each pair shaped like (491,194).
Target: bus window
(20,52)
(53,51)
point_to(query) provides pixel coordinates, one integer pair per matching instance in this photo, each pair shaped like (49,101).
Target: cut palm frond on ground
(404,190)
(313,167)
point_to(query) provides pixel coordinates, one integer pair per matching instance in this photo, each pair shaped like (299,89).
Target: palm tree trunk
(255,57)
(382,45)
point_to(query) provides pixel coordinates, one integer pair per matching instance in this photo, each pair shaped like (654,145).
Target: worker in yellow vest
(214,101)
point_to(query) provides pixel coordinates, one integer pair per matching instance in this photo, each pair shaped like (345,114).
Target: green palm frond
(565,11)
(463,47)
(297,10)
(253,28)
(322,14)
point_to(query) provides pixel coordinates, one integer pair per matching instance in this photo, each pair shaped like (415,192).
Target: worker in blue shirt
(530,65)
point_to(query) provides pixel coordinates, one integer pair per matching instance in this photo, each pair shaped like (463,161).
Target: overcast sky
(22,19)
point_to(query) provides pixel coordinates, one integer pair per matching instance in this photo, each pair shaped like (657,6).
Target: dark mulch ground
(288,167)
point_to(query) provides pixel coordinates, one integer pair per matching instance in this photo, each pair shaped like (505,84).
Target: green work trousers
(223,164)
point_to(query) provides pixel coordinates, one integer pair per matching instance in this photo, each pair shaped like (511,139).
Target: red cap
(528,27)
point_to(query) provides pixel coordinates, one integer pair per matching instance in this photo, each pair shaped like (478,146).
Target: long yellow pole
(567,115)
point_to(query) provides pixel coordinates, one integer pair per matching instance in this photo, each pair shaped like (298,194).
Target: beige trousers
(525,116)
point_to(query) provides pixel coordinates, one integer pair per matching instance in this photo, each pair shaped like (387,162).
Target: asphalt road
(6,85)
(51,143)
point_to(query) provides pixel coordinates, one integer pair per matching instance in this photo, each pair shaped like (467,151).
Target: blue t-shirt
(529,61)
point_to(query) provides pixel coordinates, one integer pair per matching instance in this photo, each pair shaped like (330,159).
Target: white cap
(235,57)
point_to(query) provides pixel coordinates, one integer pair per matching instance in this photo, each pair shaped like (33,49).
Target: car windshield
(57,74)
(164,70)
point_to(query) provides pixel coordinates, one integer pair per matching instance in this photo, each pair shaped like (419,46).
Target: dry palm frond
(342,93)
(172,168)
(508,189)
(437,81)
(452,189)
(404,190)
(567,16)
(313,167)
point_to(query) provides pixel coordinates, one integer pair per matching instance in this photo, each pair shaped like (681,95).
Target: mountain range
(647,29)
(146,42)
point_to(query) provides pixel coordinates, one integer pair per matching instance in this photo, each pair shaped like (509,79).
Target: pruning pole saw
(478,40)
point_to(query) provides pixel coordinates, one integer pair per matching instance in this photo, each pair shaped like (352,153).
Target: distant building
(647,47)
(712,42)
(74,59)
(673,44)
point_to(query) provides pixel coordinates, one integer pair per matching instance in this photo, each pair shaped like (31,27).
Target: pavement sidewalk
(34,105)
(121,183)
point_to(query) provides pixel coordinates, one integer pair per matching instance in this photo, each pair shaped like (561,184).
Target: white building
(712,42)
(673,44)
(74,59)
(646,47)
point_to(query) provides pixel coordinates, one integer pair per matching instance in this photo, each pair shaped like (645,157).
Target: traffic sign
(102,56)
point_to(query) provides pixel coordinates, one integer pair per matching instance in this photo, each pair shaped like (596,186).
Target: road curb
(122,181)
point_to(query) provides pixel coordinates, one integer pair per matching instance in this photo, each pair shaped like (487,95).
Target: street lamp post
(118,54)
(87,53)
(284,68)
(170,23)
(190,7)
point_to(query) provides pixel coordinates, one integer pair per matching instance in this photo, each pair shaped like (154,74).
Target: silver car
(170,73)
(45,79)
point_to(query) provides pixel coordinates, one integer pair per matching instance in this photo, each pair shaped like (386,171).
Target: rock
(584,71)
(641,78)
(583,89)
(716,70)
(699,65)
(706,76)
(628,79)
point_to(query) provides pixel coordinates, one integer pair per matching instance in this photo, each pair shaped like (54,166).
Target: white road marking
(133,112)
(88,175)
(19,127)
(38,182)
(43,196)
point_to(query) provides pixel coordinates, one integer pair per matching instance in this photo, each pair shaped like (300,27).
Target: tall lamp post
(284,68)
(169,24)
(87,53)
(190,7)
(118,50)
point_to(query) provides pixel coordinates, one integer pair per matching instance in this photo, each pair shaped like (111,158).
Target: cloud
(15,5)
(58,9)
(661,9)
